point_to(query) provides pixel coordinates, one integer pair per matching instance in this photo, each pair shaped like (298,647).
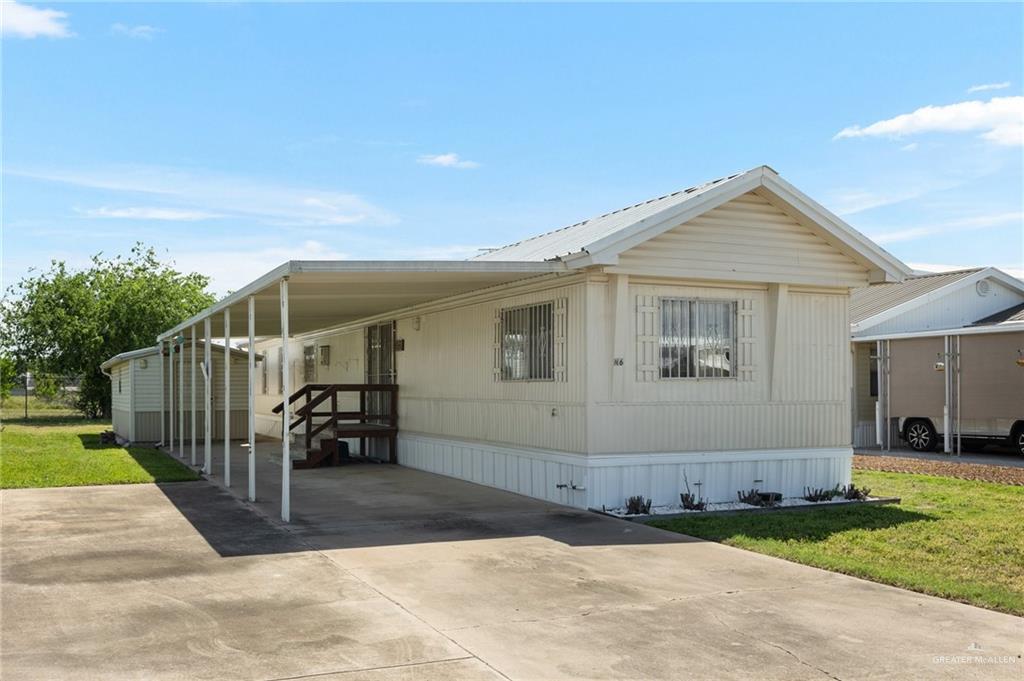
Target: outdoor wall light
(939,364)
(143,363)
(1020,358)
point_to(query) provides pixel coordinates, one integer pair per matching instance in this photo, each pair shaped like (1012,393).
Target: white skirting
(606,480)
(865,434)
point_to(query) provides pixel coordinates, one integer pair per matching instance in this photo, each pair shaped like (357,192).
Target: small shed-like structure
(138,377)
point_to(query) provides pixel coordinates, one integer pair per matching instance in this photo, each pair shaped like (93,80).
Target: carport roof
(326,293)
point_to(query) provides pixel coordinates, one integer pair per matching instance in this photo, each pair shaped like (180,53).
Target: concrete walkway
(389,573)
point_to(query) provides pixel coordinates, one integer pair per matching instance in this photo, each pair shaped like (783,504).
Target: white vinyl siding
(747,239)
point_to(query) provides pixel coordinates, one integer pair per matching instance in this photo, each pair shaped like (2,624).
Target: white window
(698,338)
(527,343)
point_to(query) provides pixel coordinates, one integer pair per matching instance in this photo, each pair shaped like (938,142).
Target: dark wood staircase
(343,425)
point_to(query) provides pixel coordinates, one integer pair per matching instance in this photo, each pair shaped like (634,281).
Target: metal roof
(873,300)
(578,236)
(153,350)
(1007,316)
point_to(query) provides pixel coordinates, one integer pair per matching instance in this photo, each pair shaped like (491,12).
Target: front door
(380,365)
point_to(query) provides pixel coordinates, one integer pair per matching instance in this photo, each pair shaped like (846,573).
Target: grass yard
(67,452)
(958,539)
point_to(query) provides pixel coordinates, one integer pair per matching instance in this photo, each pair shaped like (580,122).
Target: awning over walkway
(325,293)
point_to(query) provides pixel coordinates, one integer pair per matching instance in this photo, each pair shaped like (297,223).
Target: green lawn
(958,539)
(64,452)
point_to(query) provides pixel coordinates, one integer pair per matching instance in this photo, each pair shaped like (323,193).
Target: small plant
(689,501)
(638,505)
(756,497)
(821,494)
(854,493)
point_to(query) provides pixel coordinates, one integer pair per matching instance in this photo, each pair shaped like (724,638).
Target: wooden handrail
(329,391)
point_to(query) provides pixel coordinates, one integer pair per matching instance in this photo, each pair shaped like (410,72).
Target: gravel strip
(1005,475)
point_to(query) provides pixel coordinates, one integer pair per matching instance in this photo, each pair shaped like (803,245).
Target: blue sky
(233,137)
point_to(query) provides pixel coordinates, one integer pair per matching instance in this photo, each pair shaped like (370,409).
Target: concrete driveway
(389,573)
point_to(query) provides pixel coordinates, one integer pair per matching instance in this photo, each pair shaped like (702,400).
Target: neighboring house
(703,333)
(936,354)
(136,385)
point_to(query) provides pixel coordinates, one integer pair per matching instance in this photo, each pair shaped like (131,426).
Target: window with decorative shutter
(745,340)
(698,338)
(561,327)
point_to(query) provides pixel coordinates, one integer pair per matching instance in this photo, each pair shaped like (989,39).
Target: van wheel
(1018,440)
(921,436)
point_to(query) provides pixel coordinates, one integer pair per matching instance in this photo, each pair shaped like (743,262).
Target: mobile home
(939,361)
(703,334)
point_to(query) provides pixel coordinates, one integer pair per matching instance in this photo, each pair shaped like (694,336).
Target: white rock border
(733,507)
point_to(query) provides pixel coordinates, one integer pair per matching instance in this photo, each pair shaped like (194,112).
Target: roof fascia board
(1006,327)
(605,251)
(866,248)
(332,266)
(924,298)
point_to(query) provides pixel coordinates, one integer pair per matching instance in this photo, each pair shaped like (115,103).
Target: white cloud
(963,224)
(147,213)
(909,147)
(225,195)
(449,160)
(140,32)
(1000,120)
(29,21)
(984,87)
(232,266)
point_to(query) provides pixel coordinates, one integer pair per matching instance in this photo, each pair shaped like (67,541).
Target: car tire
(1017,440)
(920,435)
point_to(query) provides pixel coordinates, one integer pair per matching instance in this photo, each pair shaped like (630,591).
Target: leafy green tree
(67,322)
(8,377)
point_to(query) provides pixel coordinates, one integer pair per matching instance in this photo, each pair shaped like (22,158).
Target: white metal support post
(170,393)
(207,401)
(181,395)
(192,394)
(947,399)
(252,398)
(227,397)
(286,390)
(160,353)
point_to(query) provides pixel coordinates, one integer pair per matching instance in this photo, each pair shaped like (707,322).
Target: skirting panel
(534,473)
(595,481)
(865,435)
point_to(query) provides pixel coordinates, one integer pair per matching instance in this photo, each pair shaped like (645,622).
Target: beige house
(939,360)
(704,333)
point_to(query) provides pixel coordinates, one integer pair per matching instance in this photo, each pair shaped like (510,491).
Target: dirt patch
(964,471)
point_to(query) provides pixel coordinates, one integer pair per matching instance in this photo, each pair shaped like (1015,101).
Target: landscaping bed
(1006,475)
(957,539)
(737,507)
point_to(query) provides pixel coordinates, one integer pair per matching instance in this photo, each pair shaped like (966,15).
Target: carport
(300,297)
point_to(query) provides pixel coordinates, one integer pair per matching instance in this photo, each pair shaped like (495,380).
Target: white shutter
(560,321)
(646,338)
(497,344)
(745,339)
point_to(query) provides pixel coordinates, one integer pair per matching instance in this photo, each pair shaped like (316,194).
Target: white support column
(181,397)
(192,393)
(286,418)
(947,395)
(227,397)
(170,393)
(163,370)
(207,401)
(252,398)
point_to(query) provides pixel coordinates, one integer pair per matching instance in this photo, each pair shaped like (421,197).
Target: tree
(8,377)
(66,322)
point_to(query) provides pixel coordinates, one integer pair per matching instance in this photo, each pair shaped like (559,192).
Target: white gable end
(745,239)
